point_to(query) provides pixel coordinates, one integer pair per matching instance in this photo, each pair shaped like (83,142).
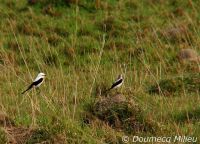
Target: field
(82,47)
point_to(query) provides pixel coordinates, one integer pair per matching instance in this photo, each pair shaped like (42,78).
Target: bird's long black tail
(28,88)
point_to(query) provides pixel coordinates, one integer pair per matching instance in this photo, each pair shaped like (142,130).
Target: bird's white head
(42,75)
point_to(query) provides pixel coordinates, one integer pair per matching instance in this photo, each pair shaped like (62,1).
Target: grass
(177,84)
(82,48)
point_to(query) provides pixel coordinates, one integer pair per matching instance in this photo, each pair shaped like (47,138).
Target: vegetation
(82,47)
(188,83)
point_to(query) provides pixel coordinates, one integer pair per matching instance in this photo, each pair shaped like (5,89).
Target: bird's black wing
(116,83)
(35,83)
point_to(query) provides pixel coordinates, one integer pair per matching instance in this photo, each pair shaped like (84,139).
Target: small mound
(13,133)
(189,83)
(177,33)
(120,113)
(188,55)
(19,134)
(23,135)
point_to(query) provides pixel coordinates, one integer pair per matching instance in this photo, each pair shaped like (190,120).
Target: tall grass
(80,51)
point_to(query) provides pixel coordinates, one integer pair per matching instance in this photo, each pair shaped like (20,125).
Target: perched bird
(119,81)
(37,82)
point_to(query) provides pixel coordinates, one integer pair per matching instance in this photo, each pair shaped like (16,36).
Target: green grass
(81,49)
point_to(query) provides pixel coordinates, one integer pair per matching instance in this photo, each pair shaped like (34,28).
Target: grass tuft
(192,115)
(189,83)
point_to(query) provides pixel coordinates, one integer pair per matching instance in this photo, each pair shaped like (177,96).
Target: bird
(37,82)
(119,81)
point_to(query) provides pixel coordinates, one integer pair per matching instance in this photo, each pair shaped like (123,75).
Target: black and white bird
(37,82)
(119,81)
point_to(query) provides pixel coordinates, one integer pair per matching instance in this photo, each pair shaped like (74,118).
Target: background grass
(81,47)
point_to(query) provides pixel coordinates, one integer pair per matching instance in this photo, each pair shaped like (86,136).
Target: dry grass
(82,47)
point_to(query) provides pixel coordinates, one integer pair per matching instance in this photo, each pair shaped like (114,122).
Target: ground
(82,47)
